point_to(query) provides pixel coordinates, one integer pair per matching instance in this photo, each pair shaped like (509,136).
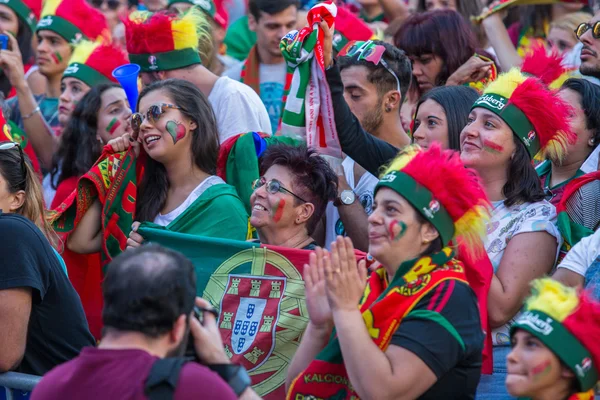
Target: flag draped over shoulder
(113,182)
(308,111)
(260,294)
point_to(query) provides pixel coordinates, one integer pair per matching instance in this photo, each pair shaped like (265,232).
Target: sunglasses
(112,4)
(371,52)
(153,114)
(274,186)
(12,145)
(584,27)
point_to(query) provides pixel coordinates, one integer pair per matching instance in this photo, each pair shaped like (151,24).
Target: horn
(127,75)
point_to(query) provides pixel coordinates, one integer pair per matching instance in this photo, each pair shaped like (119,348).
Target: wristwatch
(345,198)
(235,375)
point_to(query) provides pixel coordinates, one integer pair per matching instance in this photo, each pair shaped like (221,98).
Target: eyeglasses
(273,187)
(371,52)
(112,4)
(584,27)
(548,194)
(153,114)
(12,145)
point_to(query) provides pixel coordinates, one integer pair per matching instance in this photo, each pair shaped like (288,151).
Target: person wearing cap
(63,24)
(265,69)
(212,54)
(19,19)
(555,352)
(173,53)
(515,119)
(416,333)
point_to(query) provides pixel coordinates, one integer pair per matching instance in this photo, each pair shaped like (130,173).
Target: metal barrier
(17,386)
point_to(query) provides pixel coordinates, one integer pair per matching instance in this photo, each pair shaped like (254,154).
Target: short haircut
(271,7)
(590,103)
(457,102)
(147,289)
(379,75)
(314,180)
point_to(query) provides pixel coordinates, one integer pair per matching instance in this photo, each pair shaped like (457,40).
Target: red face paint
(55,58)
(396,230)
(492,147)
(113,126)
(279,210)
(541,370)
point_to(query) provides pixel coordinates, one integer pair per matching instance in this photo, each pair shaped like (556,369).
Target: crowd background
(310,199)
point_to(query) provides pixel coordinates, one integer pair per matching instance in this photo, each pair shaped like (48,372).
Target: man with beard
(375,77)
(589,34)
(149,294)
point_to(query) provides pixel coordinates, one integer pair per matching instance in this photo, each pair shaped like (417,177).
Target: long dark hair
(444,33)
(523,184)
(79,149)
(456,102)
(18,173)
(153,189)
(24,37)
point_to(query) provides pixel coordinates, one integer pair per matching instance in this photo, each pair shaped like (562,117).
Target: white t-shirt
(166,219)
(238,109)
(505,224)
(364,194)
(583,254)
(272,86)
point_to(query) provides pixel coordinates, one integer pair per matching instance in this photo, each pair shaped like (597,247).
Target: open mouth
(259,207)
(151,139)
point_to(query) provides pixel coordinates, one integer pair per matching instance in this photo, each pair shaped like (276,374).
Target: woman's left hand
(345,279)
(135,239)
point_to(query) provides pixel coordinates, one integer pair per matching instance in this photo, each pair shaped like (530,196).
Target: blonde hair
(571,21)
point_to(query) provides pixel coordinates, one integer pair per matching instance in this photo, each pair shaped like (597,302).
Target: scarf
(308,110)
(250,71)
(383,307)
(483,82)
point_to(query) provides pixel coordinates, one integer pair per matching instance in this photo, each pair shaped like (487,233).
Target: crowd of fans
(454,248)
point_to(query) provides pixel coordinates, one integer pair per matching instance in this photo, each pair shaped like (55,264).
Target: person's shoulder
(235,71)
(197,381)
(231,87)
(20,228)
(53,382)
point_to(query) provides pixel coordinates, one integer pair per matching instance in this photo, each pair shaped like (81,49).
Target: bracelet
(31,114)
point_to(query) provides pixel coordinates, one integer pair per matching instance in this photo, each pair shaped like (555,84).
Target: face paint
(57,57)
(113,126)
(397,229)
(176,130)
(492,147)
(541,370)
(278,210)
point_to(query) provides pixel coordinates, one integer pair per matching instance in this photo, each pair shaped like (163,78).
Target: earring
(388,108)
(100,140)
(425,241)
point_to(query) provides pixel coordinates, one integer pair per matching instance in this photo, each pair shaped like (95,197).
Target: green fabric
(562,343)
(23,11)
(571,231)
(440,320)
(243,167)
(217,213)
(166,61)
(61,26)
(514,117)
(377,18)
(86,74)
(422,199)
(208,6)
(239,39)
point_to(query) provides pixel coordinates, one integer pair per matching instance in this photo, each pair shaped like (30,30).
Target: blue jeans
(492,387)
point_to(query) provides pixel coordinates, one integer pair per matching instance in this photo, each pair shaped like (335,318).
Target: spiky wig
(547,66)
(448,194)
(94,62)
(568,323)
(74,20)
(164,41)
(27,10)
(536,115)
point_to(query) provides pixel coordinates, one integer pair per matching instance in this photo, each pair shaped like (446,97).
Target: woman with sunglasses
(179,190)
(412,328)
(291,196)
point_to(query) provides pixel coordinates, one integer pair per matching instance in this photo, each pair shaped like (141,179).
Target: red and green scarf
(251,70)
(113,182)
(384,306)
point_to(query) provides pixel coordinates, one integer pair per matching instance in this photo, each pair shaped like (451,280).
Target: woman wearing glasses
(291,196)
(179,189)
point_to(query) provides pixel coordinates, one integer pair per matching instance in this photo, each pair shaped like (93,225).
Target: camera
(198,313)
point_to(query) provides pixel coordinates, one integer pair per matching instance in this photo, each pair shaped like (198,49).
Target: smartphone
(3,42)
(198,313)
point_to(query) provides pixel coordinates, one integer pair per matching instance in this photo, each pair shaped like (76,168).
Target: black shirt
(57,328)
(444,331)
(367,150)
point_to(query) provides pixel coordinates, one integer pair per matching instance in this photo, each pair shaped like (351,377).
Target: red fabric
(153,35)
(88,20)
(545,65)
(558,193)
(350,26)
(85,272)
(574,186)
(35,6)
(106,58)
(584,325)
(224,151)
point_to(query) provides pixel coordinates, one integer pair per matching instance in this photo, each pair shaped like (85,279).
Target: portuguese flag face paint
(113,126)
(492,147)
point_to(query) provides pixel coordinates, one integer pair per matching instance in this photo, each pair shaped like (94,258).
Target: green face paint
(397,229)
(176,130)
(113,126)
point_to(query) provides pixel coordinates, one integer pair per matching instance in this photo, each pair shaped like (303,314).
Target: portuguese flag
(259,292)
